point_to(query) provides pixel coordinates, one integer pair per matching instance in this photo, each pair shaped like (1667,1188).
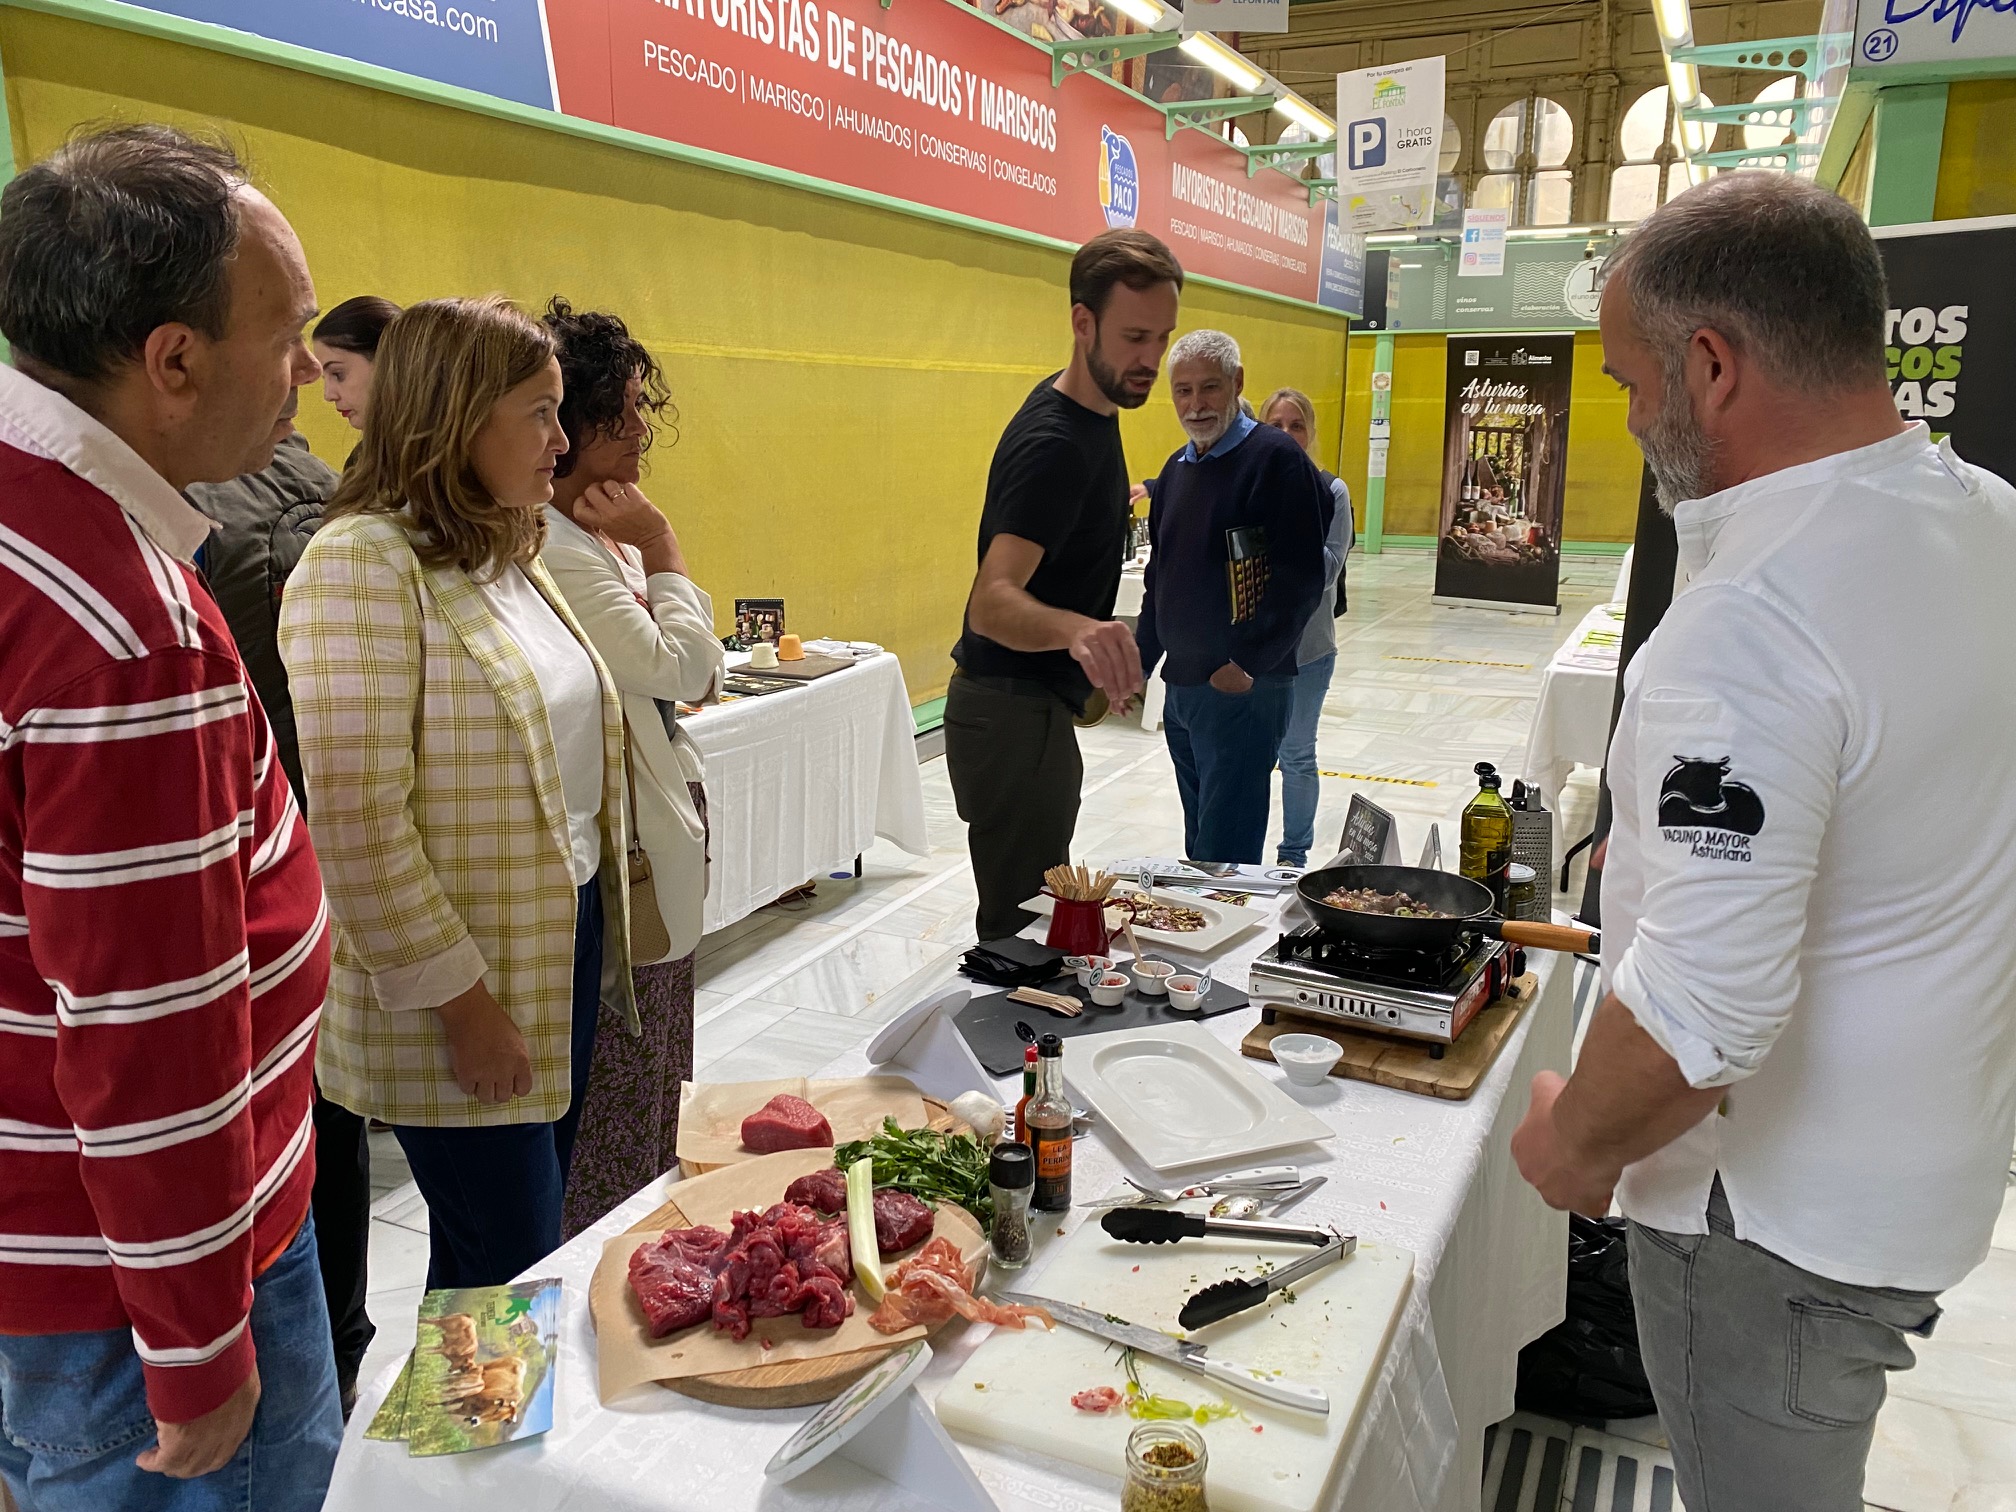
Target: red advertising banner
(927,102)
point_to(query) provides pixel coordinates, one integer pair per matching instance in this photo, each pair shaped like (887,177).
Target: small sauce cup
(1185,994)
(1152,977)
(1090,968)
(1109,990)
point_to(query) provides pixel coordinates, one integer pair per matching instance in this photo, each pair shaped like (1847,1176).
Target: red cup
(1078,926)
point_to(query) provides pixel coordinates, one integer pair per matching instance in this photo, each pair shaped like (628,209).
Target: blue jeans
(1224,746)
(1299,783)
(73,1412)
(493,1193)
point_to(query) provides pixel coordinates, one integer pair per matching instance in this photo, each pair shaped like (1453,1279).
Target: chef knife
(1134,1225)
(1222,1300)
(1177,1352)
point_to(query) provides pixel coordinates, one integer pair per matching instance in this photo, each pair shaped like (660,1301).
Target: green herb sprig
(927,1164)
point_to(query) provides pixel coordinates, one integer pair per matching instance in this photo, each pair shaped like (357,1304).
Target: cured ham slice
(930,1287)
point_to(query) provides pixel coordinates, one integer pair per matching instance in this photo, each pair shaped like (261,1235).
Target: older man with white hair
(1237,530)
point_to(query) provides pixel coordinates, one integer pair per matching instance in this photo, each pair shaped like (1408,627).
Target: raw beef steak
(786,1123)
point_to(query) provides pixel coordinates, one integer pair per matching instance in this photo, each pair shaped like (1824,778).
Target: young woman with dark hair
(345,342)
(618,562)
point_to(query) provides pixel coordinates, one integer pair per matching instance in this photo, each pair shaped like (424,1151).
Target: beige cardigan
(434,798)
(665,652)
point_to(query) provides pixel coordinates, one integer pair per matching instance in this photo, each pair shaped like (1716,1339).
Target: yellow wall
(842,373)
(1977,158)
(1604,464)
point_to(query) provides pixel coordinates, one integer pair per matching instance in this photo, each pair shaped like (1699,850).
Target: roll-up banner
(1504,468)
(1949,337)
(923,102)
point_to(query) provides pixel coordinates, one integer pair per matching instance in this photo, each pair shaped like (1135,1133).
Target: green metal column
(1904,172)
(1375,459)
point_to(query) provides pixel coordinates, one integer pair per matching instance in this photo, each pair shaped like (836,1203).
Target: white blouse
(573,697)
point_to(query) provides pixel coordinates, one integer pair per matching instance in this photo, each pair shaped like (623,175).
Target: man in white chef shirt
(1801,1083)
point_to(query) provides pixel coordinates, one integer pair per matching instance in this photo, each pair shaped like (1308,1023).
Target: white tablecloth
(1571,717)
(1405,1170)
(799,783)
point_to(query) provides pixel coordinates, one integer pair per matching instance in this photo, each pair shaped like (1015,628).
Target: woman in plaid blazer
(462,746)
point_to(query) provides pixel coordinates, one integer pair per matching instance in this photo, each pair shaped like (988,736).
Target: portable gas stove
(1422,995)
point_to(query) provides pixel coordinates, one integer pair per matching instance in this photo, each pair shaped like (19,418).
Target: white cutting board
(1015,1391)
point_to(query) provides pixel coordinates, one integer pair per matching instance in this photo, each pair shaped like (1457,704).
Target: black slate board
(988,1022)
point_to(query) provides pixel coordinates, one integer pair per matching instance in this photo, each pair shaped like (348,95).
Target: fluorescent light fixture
(1684,79)
(1307,116)
(1675,23)
(1694,136)
(1146,12)
(1224,62)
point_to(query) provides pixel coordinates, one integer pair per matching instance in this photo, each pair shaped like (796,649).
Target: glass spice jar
(1165,1470)
(1011,1175)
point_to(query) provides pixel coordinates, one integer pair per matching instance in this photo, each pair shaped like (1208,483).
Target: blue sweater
(1262,484)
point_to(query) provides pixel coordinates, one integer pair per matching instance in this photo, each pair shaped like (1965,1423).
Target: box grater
(1533,845)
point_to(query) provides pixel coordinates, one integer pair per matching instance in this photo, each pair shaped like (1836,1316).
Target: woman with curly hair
(618,562)
(463,751)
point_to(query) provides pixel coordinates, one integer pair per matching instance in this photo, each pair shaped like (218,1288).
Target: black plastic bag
(1587,1368)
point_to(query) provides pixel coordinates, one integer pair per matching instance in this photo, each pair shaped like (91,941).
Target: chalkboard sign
(1369,836)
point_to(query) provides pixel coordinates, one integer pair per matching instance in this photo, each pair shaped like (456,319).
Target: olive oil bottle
(1486,847)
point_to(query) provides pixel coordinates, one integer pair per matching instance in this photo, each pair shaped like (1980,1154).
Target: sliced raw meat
(1098,1399)
(673,1280)
(901,1221)
(930,1287)
(786,1123)
(825,1190)
(786,1260)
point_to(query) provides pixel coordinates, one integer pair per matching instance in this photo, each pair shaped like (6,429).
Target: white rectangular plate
(1180,1098)
(1224,922)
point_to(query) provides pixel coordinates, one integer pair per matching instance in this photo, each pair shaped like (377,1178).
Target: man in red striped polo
(163,937)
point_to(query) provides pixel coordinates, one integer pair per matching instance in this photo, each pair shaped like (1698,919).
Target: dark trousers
(493,1193)
(1012,754)
(342,1205)
(1224,746)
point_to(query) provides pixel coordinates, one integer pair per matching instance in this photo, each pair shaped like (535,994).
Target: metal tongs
(1225,1298)
(1134,1225)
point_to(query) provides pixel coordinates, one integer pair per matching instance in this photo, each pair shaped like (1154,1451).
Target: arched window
(1452,146)
(1774,133)
(1652,172)
(1526,149)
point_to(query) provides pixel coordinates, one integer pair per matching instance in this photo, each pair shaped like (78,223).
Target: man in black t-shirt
(1040,645)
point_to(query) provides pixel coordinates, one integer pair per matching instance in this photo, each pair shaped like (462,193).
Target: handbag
(650,940)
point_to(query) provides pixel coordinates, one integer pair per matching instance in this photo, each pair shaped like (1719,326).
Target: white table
(1571,717)
(1433,1177)
(801,782)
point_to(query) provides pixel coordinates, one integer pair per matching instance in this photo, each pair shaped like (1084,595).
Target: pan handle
(1549,936)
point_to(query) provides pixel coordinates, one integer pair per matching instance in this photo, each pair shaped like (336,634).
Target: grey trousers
(1768,1377)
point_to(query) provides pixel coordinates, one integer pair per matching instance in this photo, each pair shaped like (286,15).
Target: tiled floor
(784,991)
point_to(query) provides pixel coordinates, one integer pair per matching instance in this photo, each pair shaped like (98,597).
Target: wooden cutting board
(1409,1065)
(936,1116)
(1015,1392)
(805,669)
(787,1383)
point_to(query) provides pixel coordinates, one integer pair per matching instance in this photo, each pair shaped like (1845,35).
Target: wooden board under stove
(1404,1064)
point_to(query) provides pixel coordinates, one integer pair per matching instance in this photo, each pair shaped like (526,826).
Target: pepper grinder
(1011,1176)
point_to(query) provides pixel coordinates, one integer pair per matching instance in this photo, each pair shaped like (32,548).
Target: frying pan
(1471,904)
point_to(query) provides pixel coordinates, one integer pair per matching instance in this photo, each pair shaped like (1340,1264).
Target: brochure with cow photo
(481,1371)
